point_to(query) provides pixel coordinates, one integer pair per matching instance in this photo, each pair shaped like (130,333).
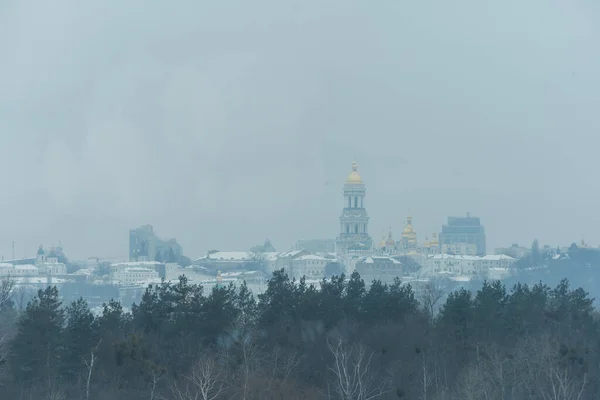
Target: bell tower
(354,221)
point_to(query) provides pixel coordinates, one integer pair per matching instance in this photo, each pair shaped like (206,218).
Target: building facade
(384,269)
(354,221)
(144,245)
(464,236)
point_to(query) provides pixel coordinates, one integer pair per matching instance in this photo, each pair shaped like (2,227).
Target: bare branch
(354,378)
(90,368)
(205,382)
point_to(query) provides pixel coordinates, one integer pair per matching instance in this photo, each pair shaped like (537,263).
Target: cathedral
(354,238)
(354,222)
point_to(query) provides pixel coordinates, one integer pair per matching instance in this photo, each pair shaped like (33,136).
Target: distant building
(514,251)
(230,261)
(468,265)
(47,262)
(316,245)
(7,269)
(129,275)
(144,245)
(463,235)
(354,221)
(295,263)
(384,269)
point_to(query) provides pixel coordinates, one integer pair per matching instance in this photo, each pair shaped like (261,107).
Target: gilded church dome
(354,177)
(409,231)
(390,240)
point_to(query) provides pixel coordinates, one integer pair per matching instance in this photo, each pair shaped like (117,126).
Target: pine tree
(80,336)
(36,349)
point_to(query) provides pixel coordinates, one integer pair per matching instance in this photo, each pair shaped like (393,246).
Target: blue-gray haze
(226,122)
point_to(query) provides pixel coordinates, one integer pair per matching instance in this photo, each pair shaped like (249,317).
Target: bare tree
(258,259)
(156,376)
(353,376)
(240,349)
(205,382)
(7,286)
(426,375)
(3,351)
(55,393)
(21,295)
(544,370)
(90,367)
(283,365)
(430,295)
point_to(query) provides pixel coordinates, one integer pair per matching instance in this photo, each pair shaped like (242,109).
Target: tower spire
(354,220)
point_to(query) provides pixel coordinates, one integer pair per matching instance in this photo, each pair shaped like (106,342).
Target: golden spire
(354,177)
(390,239)
(409,228)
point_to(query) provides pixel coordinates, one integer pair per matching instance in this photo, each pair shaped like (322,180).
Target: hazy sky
(223,123)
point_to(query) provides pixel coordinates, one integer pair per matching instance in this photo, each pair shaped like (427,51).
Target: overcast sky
(223,123)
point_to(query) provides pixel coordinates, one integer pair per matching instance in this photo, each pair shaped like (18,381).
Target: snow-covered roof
(491,257)
(47,263)
(237,256)
(24,280)
(312,257)
(136,264)
(375,259)
(460,278)
(84,271)
(497,257)
(292,253)
(138,269)
(27,267)
(5,265)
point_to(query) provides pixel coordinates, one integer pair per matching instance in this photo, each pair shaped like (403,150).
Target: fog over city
(225,123)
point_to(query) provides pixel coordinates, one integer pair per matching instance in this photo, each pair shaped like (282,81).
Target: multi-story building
(145,245)
(384,269)
(354,221)
(129,275)
(463,235)
(455,264)
(48,263)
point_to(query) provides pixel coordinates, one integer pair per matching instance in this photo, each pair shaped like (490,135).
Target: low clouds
(219,122)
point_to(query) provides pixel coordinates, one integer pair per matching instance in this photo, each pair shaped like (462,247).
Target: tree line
(341,340)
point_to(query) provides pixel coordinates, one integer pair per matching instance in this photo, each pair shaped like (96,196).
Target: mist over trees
(342,340)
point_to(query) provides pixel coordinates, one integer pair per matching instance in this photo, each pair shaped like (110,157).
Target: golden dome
(434,240)
(354,177)
(409,231)
(426,244)
(390,240)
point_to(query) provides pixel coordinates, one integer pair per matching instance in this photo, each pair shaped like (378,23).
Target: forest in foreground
(342,340)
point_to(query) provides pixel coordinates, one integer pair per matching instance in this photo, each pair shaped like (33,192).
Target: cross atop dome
(354,177)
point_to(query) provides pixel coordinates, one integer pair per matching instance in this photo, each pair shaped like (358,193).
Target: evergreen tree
(80,337)
(36,349)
